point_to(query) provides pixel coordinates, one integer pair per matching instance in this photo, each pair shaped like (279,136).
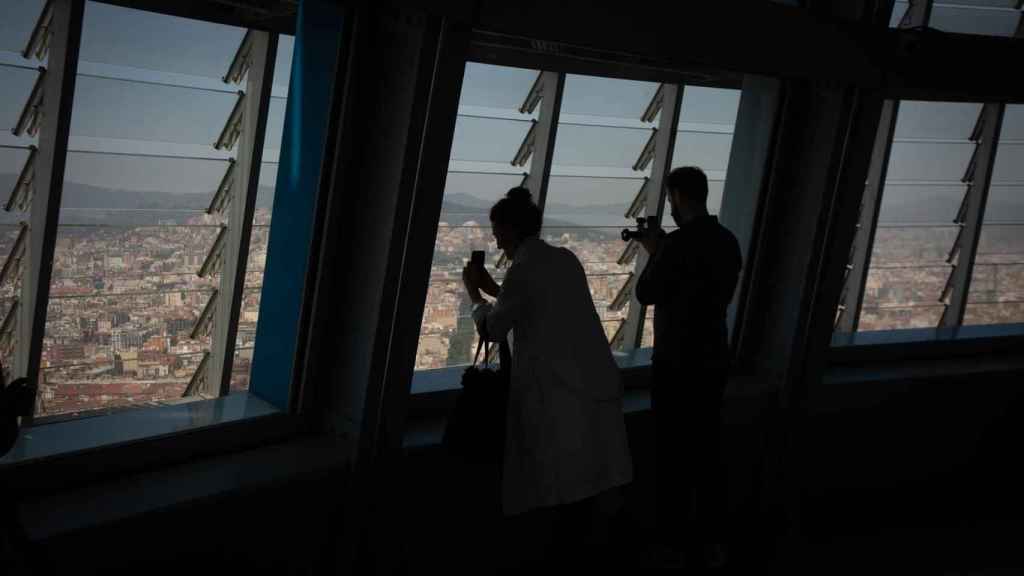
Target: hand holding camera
(647,232)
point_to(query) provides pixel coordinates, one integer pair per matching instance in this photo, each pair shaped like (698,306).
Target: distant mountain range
(124,207)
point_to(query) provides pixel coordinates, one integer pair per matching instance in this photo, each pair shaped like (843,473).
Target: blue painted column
(317,36)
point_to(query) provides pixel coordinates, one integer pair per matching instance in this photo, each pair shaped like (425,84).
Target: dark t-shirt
(690,280)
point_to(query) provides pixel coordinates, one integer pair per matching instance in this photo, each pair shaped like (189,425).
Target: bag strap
(483,344)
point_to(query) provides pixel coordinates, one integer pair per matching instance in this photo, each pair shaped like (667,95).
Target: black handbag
(474,435)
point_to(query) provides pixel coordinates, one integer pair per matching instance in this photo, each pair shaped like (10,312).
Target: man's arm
(657,282)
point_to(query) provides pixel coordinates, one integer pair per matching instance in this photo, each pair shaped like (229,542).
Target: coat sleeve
(500,316)
(660,278)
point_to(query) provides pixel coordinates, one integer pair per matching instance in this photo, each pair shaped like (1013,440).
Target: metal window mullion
(966,245)
(918,14)
(672,100)
(65,31)
(262,48)
(546,131)
(860,259)
(852,298)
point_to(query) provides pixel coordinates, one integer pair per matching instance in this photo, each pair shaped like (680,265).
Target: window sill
(925,343)
(49,456)
(447,379)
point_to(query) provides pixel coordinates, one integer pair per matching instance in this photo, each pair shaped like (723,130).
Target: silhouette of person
(689,279)
(566,451)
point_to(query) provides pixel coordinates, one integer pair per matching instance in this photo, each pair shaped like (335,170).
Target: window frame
(117,444)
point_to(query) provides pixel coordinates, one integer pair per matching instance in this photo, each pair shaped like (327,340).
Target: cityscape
(125,297)
(124,300)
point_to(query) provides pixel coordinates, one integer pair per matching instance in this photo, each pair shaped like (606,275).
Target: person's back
(700,265)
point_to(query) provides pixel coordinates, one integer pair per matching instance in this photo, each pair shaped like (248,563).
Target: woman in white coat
(565,433)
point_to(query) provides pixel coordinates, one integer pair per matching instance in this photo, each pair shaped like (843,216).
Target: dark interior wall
(921,473)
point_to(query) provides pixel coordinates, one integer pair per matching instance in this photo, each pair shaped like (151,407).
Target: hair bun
(520,194)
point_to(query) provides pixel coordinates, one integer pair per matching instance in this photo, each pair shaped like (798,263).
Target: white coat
(565,432)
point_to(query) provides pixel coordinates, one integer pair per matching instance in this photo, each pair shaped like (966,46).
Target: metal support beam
(255,60)
(969,217)
(64,28)
(848,312)
(663,140)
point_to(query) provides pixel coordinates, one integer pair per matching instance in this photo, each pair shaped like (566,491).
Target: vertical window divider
(852,296)
(58,34)
(990,121)
(254,61)
(630,334)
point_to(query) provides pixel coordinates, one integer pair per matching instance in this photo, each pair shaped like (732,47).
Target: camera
(642,226)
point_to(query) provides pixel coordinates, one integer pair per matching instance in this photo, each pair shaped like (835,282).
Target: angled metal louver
(233,127)
(31,117)
(205,320)
(24,186)
(647,155)
(198,378)
(13,262)
(639,203)
(225,190)
(215,258)
(625,293)
(38,45)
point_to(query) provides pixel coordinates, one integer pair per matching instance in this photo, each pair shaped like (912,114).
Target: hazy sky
(592,164)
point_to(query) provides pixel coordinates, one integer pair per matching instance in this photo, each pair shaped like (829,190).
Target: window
(985,17)
(926,269)
(151,208)
(606,149)
(997,282)
(488,132)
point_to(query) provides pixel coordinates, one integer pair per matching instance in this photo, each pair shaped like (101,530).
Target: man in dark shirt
(689,279)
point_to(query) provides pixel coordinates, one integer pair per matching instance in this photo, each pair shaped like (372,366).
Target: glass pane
(920,198)
(988,18)
(19,18)
(707,121)
(133,230)
(488,132)
(590,201)
(17,83)
(129,110)
(156,42)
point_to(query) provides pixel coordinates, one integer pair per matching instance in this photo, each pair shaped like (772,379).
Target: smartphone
(476,259)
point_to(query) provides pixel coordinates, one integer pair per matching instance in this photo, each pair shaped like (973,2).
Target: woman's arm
(501,315)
